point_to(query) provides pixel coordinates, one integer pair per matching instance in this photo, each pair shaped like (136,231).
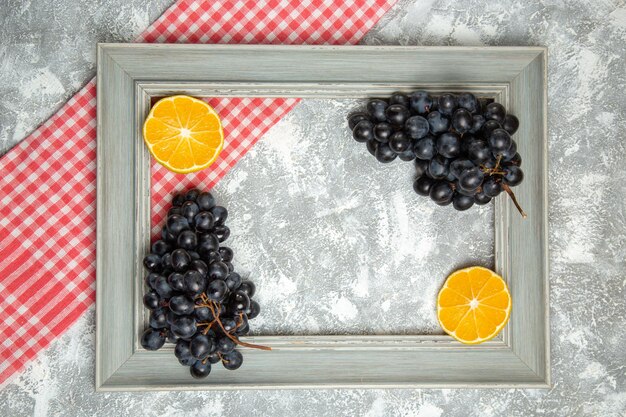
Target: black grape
(355,118)
(438,123)
(203,222)
(422,185)
(399,142)
(376,109)
(478,152)
(181,305)
(407,155)
(438,167)
(469,102)
(421,102)
(447,104)
(184,327)
(152,262)
(363,131)
(471,179)
(220,214)
(151,300)
(399,98)
(158,318)
(499,141)
(421,166)
(232,360)
(248,288)
(441,193)
(425,148)
(449,144)
(510,124)
(462,202)
(510,153)
(488,127)
(462,121)
(205,201)
(189,209)
(382,132)
(187,240)
(516,160)
(201,346)
(495,111)
(192,195)
(160,247)
(372,146)
(492,187)
(513,175)
(253,310)
(152,339)
(200,369)
(481,198)
(458,166)
(477,123)
(397,114)
(416,127)
(385,154)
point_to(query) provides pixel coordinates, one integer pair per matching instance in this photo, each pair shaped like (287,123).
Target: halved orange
(183,134)
(473,305)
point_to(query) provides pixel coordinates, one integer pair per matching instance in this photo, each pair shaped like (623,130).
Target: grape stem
(498,160)
(508,190)
(213,306)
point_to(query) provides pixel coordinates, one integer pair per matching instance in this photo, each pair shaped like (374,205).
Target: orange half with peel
(183,134)
(474,305)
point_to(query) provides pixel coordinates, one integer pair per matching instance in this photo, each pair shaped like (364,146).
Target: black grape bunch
(196,299)
(462,146)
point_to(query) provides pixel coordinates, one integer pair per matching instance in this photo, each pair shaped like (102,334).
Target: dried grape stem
(208,326)
(234,339)
(498,160)
(508,190)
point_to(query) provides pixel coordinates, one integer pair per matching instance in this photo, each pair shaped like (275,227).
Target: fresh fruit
(200,369)
(382,132)
(473,305)
(462,147)
(462,202)
(400,143)
(422,185)
(183,134)
(152,339)
(385,154)
(495,111)
(425,148)
(449,144)
(448,103)
(416,127)
(376,110)
(510,124)
(462,120)
(232,360)
(421,103)
(363,131)
(355,118)
(438,123)
(195,298)
(396,114)
(399,98)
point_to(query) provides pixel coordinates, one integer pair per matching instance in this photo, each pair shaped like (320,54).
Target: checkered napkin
(48,181)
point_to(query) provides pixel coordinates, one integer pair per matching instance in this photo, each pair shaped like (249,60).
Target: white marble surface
(48,51)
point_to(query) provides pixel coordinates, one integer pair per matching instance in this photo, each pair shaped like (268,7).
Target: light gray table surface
(47,52)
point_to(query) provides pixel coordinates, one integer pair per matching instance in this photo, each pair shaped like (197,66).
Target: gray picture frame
(130,74)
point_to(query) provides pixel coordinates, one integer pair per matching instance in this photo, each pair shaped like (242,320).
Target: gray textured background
(47,52)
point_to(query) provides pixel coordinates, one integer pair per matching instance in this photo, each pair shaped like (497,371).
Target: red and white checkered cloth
(48,181)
